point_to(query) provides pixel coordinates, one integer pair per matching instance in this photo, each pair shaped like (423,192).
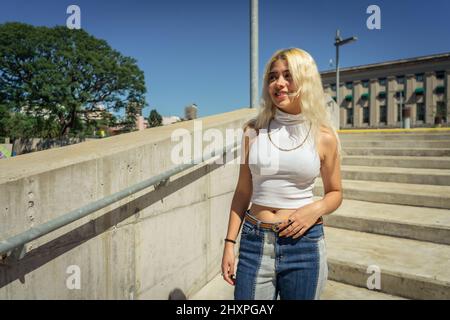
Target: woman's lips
(281,95)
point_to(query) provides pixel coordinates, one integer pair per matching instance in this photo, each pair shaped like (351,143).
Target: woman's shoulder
(249,128)
(327,137)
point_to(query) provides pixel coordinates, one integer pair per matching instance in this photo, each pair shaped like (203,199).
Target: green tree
(154,119)
(57,75)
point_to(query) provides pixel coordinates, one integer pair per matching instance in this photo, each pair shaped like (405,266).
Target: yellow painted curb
(394,130)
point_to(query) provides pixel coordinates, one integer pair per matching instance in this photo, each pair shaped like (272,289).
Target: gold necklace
(268,133)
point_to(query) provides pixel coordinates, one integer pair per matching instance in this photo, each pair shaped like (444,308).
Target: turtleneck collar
(287,118)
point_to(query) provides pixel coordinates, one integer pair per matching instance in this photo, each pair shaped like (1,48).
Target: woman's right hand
(228,264)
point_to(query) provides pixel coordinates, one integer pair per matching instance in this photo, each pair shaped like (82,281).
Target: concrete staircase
(395,214)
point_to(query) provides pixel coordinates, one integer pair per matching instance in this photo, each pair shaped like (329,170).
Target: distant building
(98,112)
(373,95)
(140,123)
(170,120)
(190,112)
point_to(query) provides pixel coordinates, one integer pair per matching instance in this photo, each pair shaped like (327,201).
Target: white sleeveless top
(284,179)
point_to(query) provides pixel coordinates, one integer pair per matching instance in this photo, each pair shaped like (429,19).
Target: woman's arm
(239,205)
(305,217)
(330,171)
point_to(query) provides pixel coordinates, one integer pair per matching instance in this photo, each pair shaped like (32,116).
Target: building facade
(382,95)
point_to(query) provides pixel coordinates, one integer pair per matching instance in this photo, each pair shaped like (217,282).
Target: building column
(430,100)
(357,107)
(410,101)
(447,94)
(342,117)
(391,105)
(373,103)
(340,103)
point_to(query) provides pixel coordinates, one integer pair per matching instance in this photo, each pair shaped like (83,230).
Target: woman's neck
(286,118)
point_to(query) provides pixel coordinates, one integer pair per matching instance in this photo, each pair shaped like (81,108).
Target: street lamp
(340,42)
(254,53)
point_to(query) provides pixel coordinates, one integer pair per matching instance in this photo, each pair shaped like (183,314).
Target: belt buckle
(275,227)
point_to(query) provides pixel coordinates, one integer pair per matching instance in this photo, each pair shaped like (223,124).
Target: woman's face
(280,84)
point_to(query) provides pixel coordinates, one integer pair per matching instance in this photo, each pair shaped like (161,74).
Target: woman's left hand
(298,223)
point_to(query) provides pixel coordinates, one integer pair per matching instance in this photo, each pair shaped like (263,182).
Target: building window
(365,83)
(420,112)
(419,91)
(382,94)
(440,74)
(333,86)
(383,114)
(401,80)
(419,77)
(366,114)
(440,89)
(382,81)
(349,85)
(350,116)
(441,114)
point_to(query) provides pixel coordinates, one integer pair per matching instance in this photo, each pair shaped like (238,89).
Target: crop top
(284,179)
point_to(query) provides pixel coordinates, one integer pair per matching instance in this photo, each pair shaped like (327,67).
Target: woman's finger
(227,273)
(292,231)
(284,228)
(299,233)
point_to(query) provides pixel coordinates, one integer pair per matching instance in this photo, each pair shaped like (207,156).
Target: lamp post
(340,42)
(253,53)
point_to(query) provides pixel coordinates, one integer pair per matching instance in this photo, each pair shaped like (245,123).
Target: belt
(270,226)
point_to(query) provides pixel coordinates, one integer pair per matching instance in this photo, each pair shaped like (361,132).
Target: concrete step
(340,291)
(409,268)
(218,289)
(420,195)
(379,151)
(417,223)
(398,161)
(387,143)
(395,136)
(400,175)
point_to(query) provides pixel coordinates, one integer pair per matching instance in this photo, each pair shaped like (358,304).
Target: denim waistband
(267,225)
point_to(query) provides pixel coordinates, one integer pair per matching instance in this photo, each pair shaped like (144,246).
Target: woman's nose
(280,81)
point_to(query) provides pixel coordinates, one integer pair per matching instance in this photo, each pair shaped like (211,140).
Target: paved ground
(218,289)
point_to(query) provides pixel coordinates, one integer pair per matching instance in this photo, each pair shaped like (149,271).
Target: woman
(282,252)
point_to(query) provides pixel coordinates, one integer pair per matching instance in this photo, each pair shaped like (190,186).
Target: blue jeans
(272,267)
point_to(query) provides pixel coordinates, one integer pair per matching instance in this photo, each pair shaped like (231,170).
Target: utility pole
(340,42)
(254,53)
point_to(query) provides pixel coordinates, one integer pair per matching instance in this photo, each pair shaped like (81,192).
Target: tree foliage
(154,119)
(55,76)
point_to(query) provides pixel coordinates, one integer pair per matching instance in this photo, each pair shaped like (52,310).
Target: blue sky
(198,51)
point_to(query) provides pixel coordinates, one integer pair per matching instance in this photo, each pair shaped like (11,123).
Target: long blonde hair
(309,89)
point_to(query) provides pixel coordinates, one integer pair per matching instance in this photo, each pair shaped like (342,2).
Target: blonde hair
(308,84)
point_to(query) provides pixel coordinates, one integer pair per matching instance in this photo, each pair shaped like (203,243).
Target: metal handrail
(17,242)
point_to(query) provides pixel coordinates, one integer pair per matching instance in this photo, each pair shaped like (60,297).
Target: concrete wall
(24,145)
(143,246)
